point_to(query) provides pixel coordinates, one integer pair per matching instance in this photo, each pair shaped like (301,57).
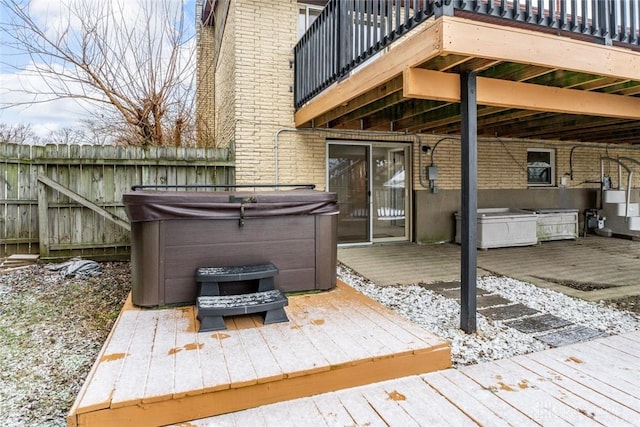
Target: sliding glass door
(369,180)
(348,173)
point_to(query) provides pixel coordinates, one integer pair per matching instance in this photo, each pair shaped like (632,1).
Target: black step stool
(209,278)
(211,306)
(211,309)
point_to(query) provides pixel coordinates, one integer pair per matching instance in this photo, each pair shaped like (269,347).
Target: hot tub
(502,227)
(556,224)
(175,232)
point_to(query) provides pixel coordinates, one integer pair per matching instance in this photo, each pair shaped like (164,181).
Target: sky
(45,118)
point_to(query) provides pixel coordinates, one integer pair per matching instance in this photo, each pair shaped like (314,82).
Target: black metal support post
(469,167)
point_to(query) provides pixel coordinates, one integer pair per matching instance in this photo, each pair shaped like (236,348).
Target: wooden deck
(592,383)
(155,369)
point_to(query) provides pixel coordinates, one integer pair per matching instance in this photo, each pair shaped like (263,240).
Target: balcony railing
(349,32)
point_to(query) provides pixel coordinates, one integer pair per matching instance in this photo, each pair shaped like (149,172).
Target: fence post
(43,220)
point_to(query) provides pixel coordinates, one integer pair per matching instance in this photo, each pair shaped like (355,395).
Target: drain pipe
(591,145)
(629,177)
(629,181)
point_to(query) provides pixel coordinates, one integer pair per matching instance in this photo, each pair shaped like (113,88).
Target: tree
(16,134)
(130,63)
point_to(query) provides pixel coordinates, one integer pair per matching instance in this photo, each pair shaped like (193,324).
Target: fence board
(100,174)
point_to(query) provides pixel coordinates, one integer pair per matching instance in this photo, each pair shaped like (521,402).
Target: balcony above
(570,72)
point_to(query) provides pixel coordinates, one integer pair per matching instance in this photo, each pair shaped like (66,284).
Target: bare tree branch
(136,64)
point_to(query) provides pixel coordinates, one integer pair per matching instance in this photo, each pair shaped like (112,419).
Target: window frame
(307,7)
(552,167)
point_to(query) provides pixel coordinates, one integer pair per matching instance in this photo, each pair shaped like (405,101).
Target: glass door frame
(407,146)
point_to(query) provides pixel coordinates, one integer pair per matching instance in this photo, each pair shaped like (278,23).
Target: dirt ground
(630,303)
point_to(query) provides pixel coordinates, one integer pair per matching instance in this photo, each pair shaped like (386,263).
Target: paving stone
(542,323)
(486,300)
(570,335)
(440,285)
(507,312)
(482,294)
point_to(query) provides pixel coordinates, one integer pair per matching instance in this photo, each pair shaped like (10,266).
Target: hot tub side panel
(326,251)
(165,254)
(146,254)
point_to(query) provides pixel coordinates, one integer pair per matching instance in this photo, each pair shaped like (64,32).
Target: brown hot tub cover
(166,205)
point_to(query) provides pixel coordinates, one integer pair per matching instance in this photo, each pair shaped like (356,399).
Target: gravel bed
(52,328)
(493,340)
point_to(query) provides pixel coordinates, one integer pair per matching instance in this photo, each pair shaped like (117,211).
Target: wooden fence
(66,200)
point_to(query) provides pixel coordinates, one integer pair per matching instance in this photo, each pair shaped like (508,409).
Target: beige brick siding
(502,162)
(253,103)
(205,82)
(266,32)
(225,88)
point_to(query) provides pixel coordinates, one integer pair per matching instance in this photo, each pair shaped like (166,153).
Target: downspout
(587,145)
(629,181)
(629,177)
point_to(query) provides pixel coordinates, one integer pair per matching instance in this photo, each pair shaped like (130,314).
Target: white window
(306,15)
(541,167)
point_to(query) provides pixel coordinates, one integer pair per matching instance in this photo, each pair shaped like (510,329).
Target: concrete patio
(608,267)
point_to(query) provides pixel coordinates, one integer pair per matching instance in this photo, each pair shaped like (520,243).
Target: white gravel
(493,340)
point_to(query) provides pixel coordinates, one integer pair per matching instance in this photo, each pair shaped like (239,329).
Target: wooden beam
(434,85)
(84,202)
(475,38)
(420,45)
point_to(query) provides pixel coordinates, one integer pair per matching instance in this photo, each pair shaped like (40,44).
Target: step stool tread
(211,309)
(228,301)
(236,273)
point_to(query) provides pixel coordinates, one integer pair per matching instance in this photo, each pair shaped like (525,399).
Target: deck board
(551,387)
(536,404)
(590,379)
(331,323)
(188,370)
(109,365)
(469,397)
(132,379)
(159,385)
(215,376)
(267,367)
(422,399)
(623,414)
(156,369)
(330,407)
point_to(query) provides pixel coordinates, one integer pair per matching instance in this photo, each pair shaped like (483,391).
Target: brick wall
(226,82)
(254,102)
(502,163)
(205,82)
(266,32)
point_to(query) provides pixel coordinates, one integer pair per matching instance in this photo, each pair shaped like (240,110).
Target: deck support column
(469,202)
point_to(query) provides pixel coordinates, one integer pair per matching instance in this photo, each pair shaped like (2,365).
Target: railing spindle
(348,32)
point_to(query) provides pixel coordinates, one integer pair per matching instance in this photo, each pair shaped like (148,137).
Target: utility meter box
(432,173)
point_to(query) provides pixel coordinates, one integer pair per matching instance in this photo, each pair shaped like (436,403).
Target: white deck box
(556,224)
(502,227)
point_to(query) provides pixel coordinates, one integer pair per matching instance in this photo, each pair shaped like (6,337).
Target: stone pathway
(550,329)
